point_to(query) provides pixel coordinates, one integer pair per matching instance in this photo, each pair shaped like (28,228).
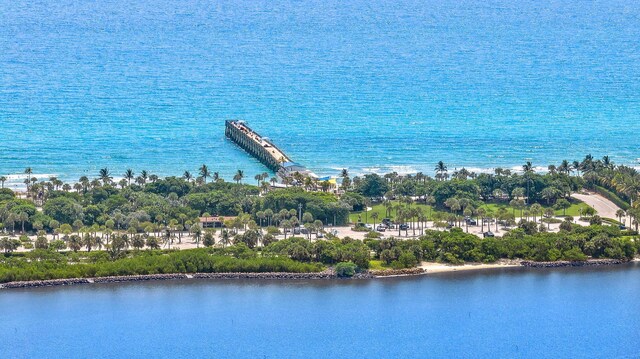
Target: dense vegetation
(457,247)
(347,255)
(118,220)
(158,212)
(45,264)
(147,204)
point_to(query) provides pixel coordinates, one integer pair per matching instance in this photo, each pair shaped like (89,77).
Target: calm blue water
(510,314)
(367,85)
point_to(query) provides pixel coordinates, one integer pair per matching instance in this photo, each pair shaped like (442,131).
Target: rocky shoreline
(396,272)
(560,264)
(327,274)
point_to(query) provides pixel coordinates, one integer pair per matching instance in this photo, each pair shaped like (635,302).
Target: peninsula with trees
(141,224)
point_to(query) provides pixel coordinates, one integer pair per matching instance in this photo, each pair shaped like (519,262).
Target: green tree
(372,185)
(563,204)
(105,176)
(441,171)
(129,175)
(238,176)
(204,172)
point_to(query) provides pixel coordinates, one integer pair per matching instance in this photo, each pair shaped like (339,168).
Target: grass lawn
(380,209)
(573,211)
(378,265)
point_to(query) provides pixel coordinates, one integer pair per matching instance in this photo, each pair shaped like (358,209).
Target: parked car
(488,234)
(369,226)
(381,228)
(404,227)
(319,235)
(387,222)
(471,221)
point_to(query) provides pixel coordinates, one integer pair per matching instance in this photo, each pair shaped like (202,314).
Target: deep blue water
(366,85)
(563,313)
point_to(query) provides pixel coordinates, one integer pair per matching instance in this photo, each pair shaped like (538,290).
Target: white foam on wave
(23,176)
(15,181)
(429,170)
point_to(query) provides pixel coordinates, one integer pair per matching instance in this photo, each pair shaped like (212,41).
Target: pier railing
(254,144)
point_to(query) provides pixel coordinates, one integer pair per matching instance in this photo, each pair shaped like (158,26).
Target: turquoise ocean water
(565,313)
(364,85)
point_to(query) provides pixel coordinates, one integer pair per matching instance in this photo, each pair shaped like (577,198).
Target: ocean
(509,313)
(371,86)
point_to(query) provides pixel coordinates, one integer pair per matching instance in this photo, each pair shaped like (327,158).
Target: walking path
(603,206)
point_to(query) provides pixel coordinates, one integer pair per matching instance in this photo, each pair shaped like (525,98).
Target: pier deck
(258,146)
(264,150)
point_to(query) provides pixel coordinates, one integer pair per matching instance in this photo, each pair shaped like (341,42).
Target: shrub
(372,235)
(612,197)
(528,227)
(554,254)
(273,230)
(566,226)
(595,220)
(574,254)
(408,260)
(346,269)
(209,240)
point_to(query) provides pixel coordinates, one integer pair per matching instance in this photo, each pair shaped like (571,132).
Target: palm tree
(105,176)
(441,170)
(619,214)
(187,176)
(374,216)
(225,237)
(549,194)
(129,175)
(549,212)
(528,169)
(238,176)
(3,179)
(144,175)
(22,217)
(576,166)
(564,167)
(258,178)
(204,172)
(28,171)
(535,210)
(453,204)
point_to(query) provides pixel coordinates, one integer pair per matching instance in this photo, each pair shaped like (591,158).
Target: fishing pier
(263,149)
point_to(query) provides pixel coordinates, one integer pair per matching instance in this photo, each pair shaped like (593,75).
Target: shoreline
(426,268)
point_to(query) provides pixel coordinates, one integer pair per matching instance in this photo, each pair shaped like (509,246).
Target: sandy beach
(434,267)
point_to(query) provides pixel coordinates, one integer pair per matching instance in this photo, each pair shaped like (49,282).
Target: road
(603,206)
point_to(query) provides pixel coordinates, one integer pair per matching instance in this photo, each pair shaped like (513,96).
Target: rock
(558,264)
(396,272)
